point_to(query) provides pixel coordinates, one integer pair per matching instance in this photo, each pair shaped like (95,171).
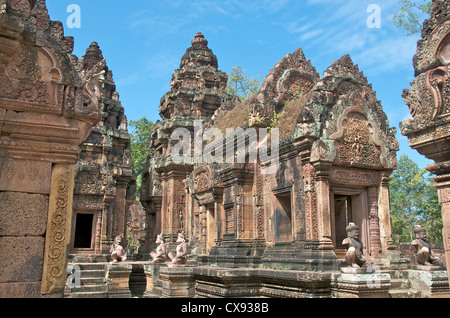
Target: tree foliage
(140,146)
(414,200)
(241,85)
(410,15)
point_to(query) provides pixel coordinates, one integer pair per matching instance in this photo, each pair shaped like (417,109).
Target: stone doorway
(349,206)
(83,233)
(342,216)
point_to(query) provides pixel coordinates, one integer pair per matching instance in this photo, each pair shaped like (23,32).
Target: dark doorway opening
(343,216)
(83,230)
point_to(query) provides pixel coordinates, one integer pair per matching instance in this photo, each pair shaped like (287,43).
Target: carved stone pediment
(346,120)
(428,98)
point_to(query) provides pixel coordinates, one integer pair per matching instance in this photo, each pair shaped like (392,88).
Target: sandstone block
(23,214)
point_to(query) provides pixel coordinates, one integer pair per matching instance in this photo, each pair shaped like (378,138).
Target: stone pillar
(158,202)
(118,278)
(374,226)
(384,215)
(106,237)
(443,186)
(98,234)
(152,274)
(120,211)
(218,219)
(58,229)
(203,229)
(323,205)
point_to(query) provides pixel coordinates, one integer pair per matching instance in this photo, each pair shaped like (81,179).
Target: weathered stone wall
(46,111)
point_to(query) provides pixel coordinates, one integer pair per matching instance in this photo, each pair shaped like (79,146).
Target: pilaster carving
(58,229)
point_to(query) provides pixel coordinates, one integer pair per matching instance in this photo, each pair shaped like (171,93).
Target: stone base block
(118,278)
(243,283)
(153,288)
(20,290)
(177,282)
(431,283)
(373,285)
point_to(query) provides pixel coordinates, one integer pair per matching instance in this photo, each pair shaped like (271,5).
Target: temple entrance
(84,229)
(343,216)
(349,206)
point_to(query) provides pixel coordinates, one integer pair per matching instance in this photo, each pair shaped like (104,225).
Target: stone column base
(431,283)
(118,278)
(362,285)
(153,288)
(177,282)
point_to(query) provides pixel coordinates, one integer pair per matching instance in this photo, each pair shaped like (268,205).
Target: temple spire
(93,55)
(199,40)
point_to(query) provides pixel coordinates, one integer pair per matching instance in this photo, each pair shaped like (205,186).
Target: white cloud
(387,54)
(341,27)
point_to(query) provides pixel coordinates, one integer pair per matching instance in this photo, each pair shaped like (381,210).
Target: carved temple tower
(104,182)
(197,92)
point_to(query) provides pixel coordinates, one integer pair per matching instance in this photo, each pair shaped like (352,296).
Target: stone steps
(92,281)
(400,283)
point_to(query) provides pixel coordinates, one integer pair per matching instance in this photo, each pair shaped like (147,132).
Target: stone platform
(162,281)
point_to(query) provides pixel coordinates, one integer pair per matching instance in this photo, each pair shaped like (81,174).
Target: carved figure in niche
(422,248)
(160,255)
(117,250)
(180,257)
(355,249)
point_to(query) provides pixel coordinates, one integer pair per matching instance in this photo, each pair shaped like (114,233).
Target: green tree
(410,15)
(140,146)
(241,85)
(414,200)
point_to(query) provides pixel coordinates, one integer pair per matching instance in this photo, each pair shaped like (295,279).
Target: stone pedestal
(177,282)
(118,278)
(153,288)
(357,283)
(431,281)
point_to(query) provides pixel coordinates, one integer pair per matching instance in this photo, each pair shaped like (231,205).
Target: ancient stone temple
(333,165)
(284,194)
(104,183)
(47,110)
(428,130)
(197,93)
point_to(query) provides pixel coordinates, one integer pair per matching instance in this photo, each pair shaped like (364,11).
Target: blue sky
(143,42)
